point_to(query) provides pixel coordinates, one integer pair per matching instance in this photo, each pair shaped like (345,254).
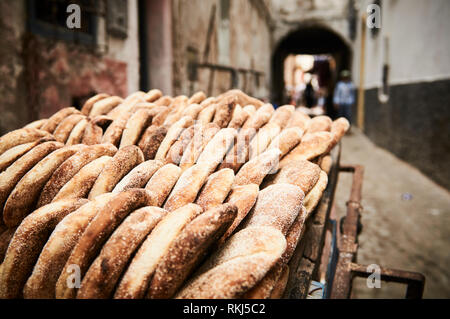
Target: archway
(314,40)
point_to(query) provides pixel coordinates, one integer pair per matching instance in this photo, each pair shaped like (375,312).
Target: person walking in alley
(344,96)
(309,95)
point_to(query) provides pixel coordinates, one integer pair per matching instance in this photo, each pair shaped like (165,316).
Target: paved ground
(406,219)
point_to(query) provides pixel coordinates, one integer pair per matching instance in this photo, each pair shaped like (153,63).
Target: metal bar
(348,241)
(347,268)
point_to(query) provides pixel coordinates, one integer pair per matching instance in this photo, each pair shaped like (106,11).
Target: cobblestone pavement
(406,219)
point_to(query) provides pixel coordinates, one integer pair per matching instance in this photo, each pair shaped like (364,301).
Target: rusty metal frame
(347,268)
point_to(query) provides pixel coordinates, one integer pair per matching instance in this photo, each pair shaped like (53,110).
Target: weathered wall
(240,37)
(290,15)
(13,106)
(412,121)
(39,75)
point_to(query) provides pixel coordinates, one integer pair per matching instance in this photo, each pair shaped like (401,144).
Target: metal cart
(324,263)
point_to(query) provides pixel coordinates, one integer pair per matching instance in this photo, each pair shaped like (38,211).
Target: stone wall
(40,75)
(240,37)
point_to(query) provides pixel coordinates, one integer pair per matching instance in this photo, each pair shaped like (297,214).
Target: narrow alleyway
(406,219)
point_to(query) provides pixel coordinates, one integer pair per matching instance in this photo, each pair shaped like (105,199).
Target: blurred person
(344,96)
(309,95)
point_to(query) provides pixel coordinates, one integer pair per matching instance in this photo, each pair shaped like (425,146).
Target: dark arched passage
(308,39)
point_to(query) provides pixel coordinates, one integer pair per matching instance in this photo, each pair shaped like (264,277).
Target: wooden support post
(362,58)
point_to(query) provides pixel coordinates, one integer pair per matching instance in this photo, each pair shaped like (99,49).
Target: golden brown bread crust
(224,112)
(135,282)
(172,135)
(207,114)
(162,182)
(113,133)
(238,155)
(314,196)
(92,134)
(14,153)
(255,170)
(122,162)
(282,115)
(104,121)
(300,120)
(11,176)
(287,140)
(187,187)
(215,151)
(311,146)
(243,197)
(319,124)
(135,126)
(197,98)
(102,276)
(138,95)
(238,118)
(302,173)
(54,255)
(250,110)
(161,116)
(66,126)
(216,189)
(325,163)
(81,183)
(294,235)
(138,177)
(104,106)
(153,95)
(87,106)
(177,149)
(177,107)
(123,107)
(5,237)
(277,206)
(151,140)
(265,286)
(36,124)
(164,101)
(188,249)
(229,280)
(262,139)
(202,136)
(56,118)
(21,136)
(261,117)
(24,196)
(76,135)
(70,167)
(207,102)
(193,110)
(27,243)
(238,266)
(97,232)
(240,97)
(338,129)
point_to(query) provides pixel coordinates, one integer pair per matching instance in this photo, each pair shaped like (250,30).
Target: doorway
(317,54)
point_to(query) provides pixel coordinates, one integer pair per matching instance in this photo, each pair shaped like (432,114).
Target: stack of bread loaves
(154,196)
